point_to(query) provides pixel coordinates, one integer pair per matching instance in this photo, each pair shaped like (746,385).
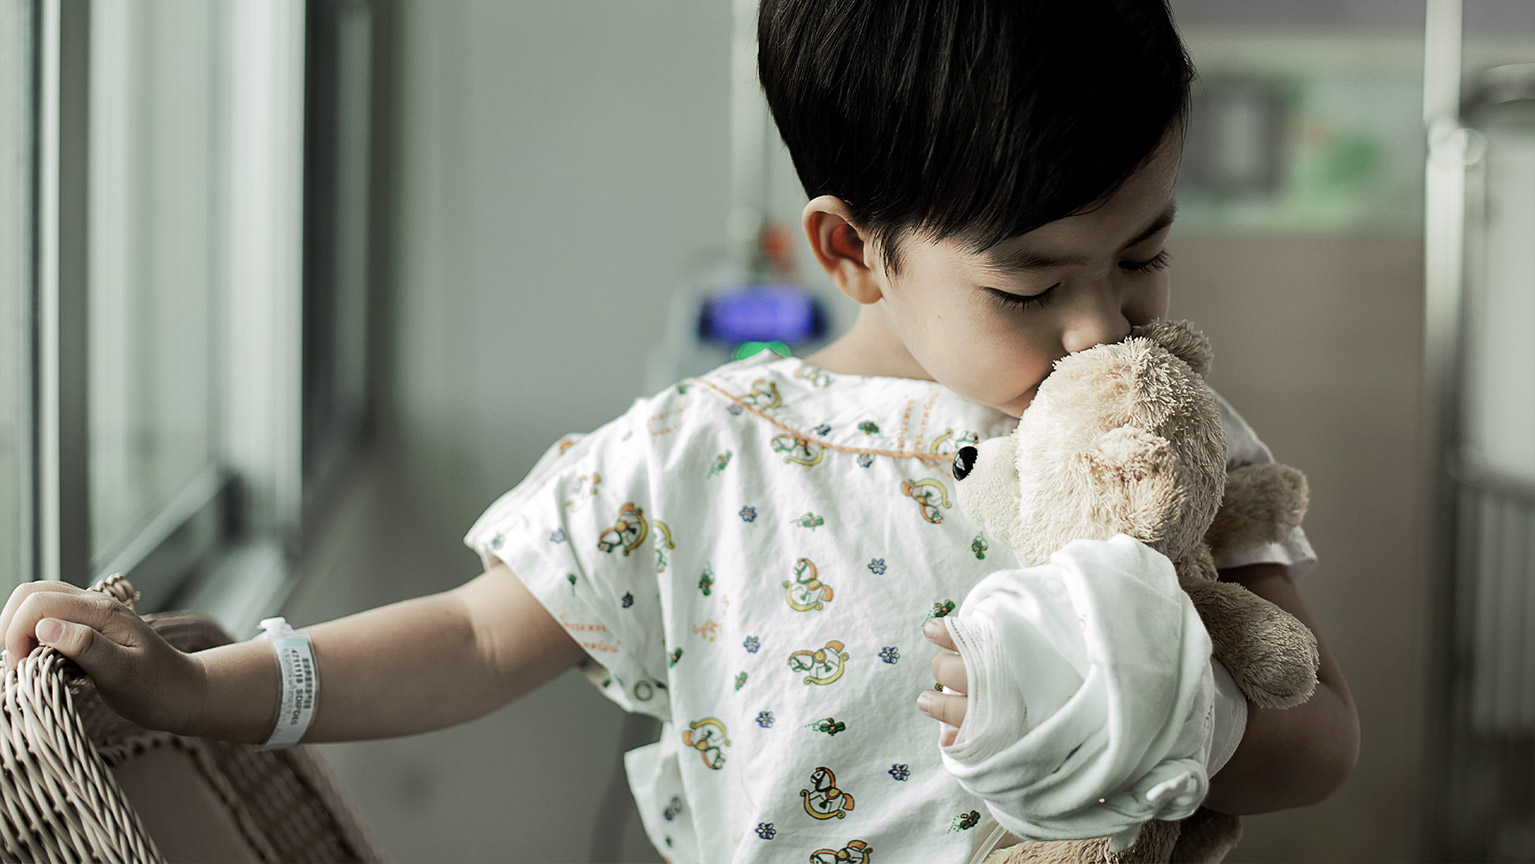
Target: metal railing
(1487,806)
(1479,788)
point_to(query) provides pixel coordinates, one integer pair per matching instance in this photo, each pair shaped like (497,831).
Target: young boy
(751,556)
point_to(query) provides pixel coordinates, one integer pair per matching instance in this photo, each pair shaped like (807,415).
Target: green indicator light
(748,349)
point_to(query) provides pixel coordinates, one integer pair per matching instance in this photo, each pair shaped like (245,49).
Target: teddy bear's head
(1120,438)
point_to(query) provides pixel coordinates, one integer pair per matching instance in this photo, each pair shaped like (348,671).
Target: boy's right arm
(408,667)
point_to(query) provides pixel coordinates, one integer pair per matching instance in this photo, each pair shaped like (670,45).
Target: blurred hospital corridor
(327,277)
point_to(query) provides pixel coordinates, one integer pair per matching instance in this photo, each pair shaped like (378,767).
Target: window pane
(153,257)
(15,282)
(337,123)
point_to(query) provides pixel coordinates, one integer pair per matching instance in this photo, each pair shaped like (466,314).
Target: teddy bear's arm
(1269,652)
(1261,505)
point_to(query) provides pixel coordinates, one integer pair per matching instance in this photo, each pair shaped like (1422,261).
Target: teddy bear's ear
(1134,469)
(1181,340)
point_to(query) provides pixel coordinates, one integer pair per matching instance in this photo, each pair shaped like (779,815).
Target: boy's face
(990,325)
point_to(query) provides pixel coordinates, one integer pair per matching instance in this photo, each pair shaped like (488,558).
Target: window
(154,231)
(342,220)
(16,130)
(195,361)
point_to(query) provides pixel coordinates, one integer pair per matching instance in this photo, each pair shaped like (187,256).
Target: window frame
(20,22)
(227,543)
(61,521)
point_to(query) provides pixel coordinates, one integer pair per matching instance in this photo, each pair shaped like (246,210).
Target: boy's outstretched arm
(1295,756)
(408,667)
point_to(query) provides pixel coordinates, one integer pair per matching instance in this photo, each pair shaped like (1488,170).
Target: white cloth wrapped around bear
(1092,698)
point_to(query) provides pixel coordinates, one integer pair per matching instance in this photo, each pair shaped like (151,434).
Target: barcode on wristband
(298,685)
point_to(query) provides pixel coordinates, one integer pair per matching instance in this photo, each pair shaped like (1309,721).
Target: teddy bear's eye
(964,462)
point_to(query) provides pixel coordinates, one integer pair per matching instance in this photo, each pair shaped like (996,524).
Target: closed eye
(1021,301)
(1161,261)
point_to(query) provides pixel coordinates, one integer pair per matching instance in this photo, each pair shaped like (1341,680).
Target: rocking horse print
(948,444)
(824,665)
(663,543)
(763,400)
(823,800)
(855,852)
(798,450)
(931,495)
(628,532)
(807,593)
(816,377)
(709,738)
(585,489)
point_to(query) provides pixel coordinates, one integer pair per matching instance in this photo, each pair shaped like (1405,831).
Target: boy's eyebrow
(1023,259)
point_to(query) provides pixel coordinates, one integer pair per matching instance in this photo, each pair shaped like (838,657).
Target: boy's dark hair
(976,118)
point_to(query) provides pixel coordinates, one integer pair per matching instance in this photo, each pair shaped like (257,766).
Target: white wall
(558,162)
(557,165)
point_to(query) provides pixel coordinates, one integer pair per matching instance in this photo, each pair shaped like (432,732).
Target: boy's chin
(1011,404)
(1019,405)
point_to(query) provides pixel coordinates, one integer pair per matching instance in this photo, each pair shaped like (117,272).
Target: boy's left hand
(948,705)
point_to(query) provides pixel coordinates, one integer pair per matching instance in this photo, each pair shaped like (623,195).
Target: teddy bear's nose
(964,462)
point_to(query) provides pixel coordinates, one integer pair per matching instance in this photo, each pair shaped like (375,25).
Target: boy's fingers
(93,651)
(12,604)
(76,611)
(949,670)
(937,632)
(942,706)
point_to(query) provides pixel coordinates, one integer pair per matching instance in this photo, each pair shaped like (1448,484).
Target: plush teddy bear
(1126,438)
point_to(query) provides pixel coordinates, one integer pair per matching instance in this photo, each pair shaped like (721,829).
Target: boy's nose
(1101,323)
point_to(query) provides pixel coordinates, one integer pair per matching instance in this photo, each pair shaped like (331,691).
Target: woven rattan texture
(58,742)
(62,803)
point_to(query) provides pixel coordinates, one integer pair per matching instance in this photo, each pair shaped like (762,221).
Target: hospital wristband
(299,683)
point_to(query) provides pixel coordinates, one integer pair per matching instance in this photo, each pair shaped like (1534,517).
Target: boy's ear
(841,248)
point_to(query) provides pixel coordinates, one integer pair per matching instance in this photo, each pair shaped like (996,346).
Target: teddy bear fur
(1205,836)
(1127,438)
